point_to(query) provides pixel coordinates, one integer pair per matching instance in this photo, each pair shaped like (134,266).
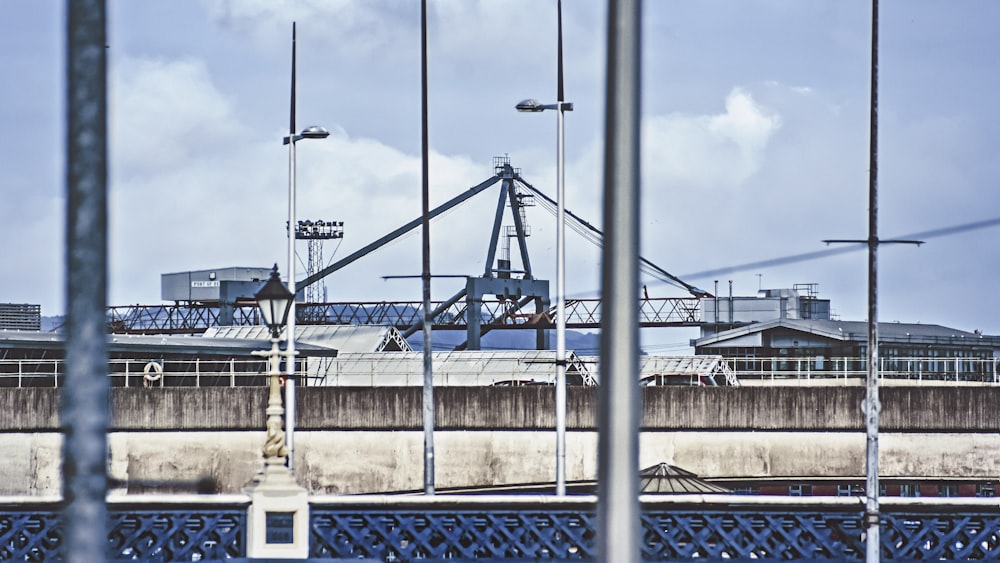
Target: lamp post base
(278,517)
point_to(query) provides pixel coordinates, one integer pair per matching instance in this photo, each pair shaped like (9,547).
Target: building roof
(664,478)
(126,344)
(344,338)
(466,367)
(659,479)
(857,331)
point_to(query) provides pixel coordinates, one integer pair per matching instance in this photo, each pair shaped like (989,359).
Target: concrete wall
(354,440)
(904,409)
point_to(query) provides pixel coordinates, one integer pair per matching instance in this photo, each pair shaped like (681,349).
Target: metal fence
(352,371)
(525,528)
(917,369)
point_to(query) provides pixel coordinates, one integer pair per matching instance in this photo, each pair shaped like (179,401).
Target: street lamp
(533,106)
(311,132)
(274,301)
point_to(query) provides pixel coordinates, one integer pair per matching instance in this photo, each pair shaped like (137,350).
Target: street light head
(274,301)
(530,105)
(315,132)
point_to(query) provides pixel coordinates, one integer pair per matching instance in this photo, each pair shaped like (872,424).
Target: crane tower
(316,232)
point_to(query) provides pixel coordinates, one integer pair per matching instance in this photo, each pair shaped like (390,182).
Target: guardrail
(894,368)
(348,370)
(522,528)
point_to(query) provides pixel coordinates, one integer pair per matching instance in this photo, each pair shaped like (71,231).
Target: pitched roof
(344,338)
(857,331)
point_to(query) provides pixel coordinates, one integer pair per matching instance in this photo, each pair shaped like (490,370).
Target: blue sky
(755,142)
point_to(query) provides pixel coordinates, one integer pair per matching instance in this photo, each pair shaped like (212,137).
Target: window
(800,490)
(909,490)
(948,490)
(985,490)
(850,490)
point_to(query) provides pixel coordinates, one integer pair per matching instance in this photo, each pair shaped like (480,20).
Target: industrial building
(20,316)
(791,332)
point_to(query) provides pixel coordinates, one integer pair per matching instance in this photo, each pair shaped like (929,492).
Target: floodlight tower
(316,232)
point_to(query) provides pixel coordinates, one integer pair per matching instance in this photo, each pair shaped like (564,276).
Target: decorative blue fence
(529,528)
(143,529)
(674,528)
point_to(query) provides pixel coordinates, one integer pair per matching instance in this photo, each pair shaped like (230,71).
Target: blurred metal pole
(428,399)
(871,384)
(560,264)
(292,314)
(84,397)
(619,527)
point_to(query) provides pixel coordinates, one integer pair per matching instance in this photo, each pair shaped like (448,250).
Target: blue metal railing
(526,528)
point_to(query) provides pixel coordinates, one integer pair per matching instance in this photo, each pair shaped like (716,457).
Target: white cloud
(708,151)
(165,114)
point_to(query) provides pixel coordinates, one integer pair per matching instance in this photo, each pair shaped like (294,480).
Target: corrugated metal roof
(664,478)
(143,344)
(343,338)
(500,367)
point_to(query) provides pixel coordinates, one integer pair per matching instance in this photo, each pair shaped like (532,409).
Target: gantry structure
(501,297)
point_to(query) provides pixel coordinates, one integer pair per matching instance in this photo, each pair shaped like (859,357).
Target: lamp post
(533,106)
(311,132)
(274,301)
(278,516)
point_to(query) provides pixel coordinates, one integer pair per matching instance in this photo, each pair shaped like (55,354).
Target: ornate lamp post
(274,301)
(278,517)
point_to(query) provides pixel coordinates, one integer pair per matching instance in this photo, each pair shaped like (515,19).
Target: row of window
(914,489)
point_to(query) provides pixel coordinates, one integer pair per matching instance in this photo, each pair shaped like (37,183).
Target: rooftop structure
(782,328)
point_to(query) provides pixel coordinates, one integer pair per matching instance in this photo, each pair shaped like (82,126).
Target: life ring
(155,368)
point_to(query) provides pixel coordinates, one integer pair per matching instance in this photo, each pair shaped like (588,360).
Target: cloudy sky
(755,142)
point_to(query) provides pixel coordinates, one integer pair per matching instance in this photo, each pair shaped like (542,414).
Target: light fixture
(311,132)
(314,132)
(274,301)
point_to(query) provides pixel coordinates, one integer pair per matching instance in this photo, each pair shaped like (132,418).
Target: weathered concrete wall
(904,409)
(353,440)
(332,462)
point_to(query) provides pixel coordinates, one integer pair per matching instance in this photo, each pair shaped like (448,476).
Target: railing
(522,528)
(148,373)
(892,368)
(348,370)
(675,527)
(143,528)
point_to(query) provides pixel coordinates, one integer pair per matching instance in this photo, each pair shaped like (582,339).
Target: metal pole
(290,334)
(619,529)
(84,405)
(560,305)
(871,384)
(428,397)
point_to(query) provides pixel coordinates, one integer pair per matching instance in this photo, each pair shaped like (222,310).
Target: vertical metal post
(619,529)
(290,327)
(84,400)
(428,398)
(560,271)
(871,384)
(560,305)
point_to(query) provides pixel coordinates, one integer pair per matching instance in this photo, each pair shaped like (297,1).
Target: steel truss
(495,314)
